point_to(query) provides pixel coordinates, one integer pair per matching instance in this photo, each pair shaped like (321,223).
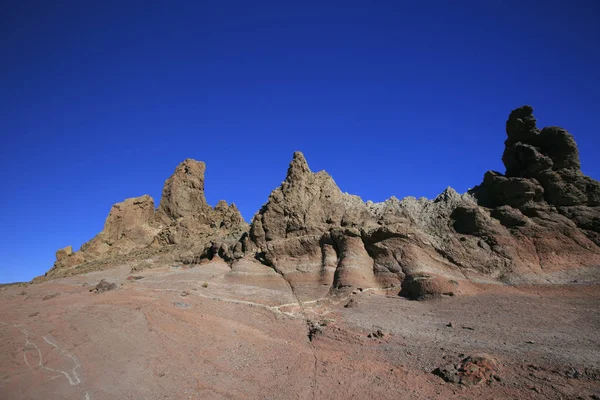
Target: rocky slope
(536,223)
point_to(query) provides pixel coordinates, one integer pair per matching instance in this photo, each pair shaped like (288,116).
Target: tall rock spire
(298,168)
(183,193)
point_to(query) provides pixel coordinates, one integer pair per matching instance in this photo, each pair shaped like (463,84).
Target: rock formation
(544,199)
(178,231)
(541,216)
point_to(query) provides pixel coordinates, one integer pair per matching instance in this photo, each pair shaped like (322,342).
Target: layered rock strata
(540,217)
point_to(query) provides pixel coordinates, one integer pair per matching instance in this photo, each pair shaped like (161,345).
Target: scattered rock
(50,296)
(378,334)
(449,373)
(352,303)
(426,286)
(103,286)
(472,370)
(574,373)
(314,329)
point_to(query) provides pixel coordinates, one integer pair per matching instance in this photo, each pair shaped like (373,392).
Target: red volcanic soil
(208,333)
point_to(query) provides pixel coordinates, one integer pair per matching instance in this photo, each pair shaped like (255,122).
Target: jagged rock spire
(298,168)
(183,193)
(521,125)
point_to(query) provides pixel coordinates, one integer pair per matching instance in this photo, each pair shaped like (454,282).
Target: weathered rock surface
(178,231)
(539,218)
(545,200)
(473,370)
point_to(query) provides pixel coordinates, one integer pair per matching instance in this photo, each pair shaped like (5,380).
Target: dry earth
(210,332)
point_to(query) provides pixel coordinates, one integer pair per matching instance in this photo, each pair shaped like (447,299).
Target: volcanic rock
(309,232)
(183,193)
(543,183)
(540,217)
(103,286)
(472,370)
(548,159)
(179,230)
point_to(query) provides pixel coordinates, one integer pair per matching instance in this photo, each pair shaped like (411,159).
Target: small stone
(351,304)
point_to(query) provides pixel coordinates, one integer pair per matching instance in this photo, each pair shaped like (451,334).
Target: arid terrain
(208,332)
(492,294)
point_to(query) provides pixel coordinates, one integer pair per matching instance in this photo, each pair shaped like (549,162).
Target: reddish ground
(207,333)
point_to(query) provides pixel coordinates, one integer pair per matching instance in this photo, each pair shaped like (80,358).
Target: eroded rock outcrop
(180,230)
(545,200)
(540,164)
(541,216)
(309,231)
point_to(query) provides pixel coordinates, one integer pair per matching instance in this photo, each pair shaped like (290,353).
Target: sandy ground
(211,333)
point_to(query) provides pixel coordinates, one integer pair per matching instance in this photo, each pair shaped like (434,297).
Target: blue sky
(101,100)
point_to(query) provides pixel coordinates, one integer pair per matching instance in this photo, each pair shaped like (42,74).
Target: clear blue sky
(100,100)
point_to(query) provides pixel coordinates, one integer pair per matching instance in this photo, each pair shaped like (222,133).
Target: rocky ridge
(540,218)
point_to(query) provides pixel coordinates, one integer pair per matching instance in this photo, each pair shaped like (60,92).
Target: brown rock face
(539,165)
(61,254)
(544,198)
(190,223)
(178,231)
(306,203)
(130,223)
(183,193)
(538,222)
(308,232)
(130,226)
